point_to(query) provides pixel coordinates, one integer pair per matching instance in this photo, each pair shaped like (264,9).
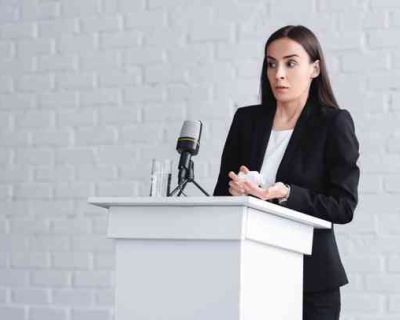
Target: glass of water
(161,171)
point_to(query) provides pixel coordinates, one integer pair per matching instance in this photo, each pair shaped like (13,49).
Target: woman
(307,151)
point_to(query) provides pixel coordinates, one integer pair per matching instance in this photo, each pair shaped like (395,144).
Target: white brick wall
(90,91)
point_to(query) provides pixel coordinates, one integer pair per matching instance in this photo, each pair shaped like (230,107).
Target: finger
(244,169)
(233,176)
(234,192)
(236,186)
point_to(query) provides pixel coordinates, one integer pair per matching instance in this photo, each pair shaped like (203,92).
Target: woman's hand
(236,185)
(241,187)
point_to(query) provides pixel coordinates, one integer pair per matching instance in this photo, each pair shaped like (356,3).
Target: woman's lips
(281,88)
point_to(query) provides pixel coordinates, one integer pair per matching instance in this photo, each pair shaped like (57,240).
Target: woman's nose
(280,72)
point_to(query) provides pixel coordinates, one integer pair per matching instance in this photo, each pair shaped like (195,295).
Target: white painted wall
(91,90)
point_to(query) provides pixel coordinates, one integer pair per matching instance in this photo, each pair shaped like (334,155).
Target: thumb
(244,169)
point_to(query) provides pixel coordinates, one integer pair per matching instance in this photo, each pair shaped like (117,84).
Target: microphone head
(189,138)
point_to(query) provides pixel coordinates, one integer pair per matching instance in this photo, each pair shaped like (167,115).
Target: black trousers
(324,305)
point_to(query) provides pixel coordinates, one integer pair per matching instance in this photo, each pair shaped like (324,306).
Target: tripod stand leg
(183,187)
(198,186)
(179,187)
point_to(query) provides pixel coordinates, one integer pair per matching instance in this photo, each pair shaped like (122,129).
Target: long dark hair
(320,90)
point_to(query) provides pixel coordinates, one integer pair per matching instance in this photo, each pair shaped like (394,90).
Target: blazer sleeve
(230,159)
(338,202)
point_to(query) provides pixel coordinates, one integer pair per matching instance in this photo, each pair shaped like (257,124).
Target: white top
(277,144)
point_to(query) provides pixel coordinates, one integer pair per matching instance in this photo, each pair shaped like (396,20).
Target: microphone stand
(188,176)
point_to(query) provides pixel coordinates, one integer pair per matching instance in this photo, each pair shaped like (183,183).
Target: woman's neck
(287,113)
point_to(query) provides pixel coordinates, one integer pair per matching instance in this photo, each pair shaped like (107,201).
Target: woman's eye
(291,63)
(271,65)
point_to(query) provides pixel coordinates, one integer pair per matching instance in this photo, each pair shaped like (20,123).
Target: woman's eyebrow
(285,57)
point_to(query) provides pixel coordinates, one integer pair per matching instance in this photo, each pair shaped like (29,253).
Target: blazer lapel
(262,131)
(262,126)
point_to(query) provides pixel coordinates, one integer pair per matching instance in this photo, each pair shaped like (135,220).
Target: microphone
(188,145)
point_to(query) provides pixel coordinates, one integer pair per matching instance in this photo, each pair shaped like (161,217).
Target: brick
(18,66)
(73,190)
(119,79)
(393,264)
(76,44)
(124,39)
(33,191)
(166,38)
(53,278)
(212,32)
(141,56)
(41,313)
(356,61)
(14,313)
(36,47)
(96,24)
(394,303)
(33,119)
(34,83)
(387,224)
(93,243)
(99,61)
(13,243)
(375,19)
(17,31)
(144,93)
(157,113)
(15,173)
(118,6)
(34,260)
(90,173)
(104,261)
(146,19)
(76,8)
(92,279)
(384,4)
(8,13)
(30,296)
(14,138)
(69,260)
(70,227)
(115,189)
(72,297)
(73,156)
(105,96)
(17,101)
(3,295)
(370,183)
(33,156)
(51,138)
(142,133)
(363,264)
(6,84)
(91,314)
(392,183)
(119,115)
(76,117)
(50,242)
(14,278)
(114,155)
(362,303)
(38,11)
(28,227)
(95,136)
(105,297)
(56,28)
(164,74)
(58,100)
(383,38)
(54,174)
(57,63)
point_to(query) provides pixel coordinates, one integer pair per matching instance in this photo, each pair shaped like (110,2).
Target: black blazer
(320,165)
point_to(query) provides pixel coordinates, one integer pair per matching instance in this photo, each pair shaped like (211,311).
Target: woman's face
(290,71)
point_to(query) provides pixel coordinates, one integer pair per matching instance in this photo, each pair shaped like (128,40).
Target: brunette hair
(320,90)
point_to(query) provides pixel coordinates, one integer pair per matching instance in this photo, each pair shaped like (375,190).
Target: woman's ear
(316,69)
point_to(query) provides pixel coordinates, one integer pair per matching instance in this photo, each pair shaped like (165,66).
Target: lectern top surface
(246,201)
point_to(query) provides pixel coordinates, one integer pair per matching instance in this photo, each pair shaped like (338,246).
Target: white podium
(208,258)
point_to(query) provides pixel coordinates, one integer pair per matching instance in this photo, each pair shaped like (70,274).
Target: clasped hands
(242,187)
